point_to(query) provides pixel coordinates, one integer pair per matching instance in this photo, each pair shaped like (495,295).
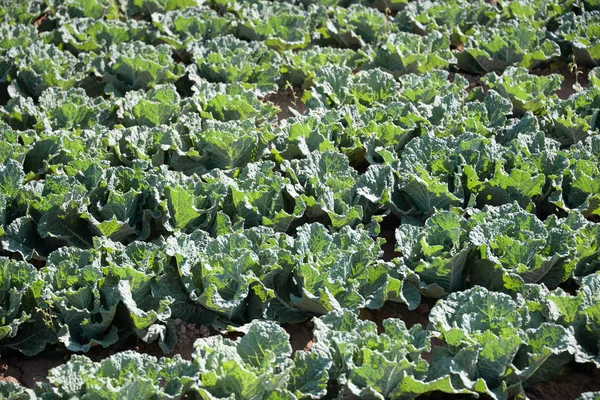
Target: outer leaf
(136,65)
(439,252)
(508,43)
(527,92)
(251,367)
(227,59)
(404,53)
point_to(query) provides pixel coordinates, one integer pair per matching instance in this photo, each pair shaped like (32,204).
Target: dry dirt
(187,334)
(27,371)
(568,386)
(301,336)
(571,77)
(288,100)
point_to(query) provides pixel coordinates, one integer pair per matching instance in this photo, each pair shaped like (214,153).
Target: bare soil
(288,100)
(188,334)
(572,77)
(301,336)
(27,371)
(401,311)
(568,386)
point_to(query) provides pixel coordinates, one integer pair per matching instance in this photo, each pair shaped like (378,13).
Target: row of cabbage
(257,43)
(67,178)
(488,35)
(433,103)
(52,197)
(87,297)
(494,345)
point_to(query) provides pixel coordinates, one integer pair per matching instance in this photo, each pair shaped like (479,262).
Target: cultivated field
(239,199)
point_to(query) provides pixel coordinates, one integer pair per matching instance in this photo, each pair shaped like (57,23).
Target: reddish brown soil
(27,371)
(401,311)
(568,386)
(287,99)
(571,76)
(39,20)
(301,336)
(187,334)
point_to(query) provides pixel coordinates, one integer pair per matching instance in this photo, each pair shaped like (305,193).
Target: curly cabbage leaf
(402,53)
(492,344)
(511,43)
(40,66)
(451,17)
(515,247)
(230,60)
(581,33)
(526,92)
(179,28)
(438,252)
(281,26)
(93,35)
(356,26)
(135,65)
